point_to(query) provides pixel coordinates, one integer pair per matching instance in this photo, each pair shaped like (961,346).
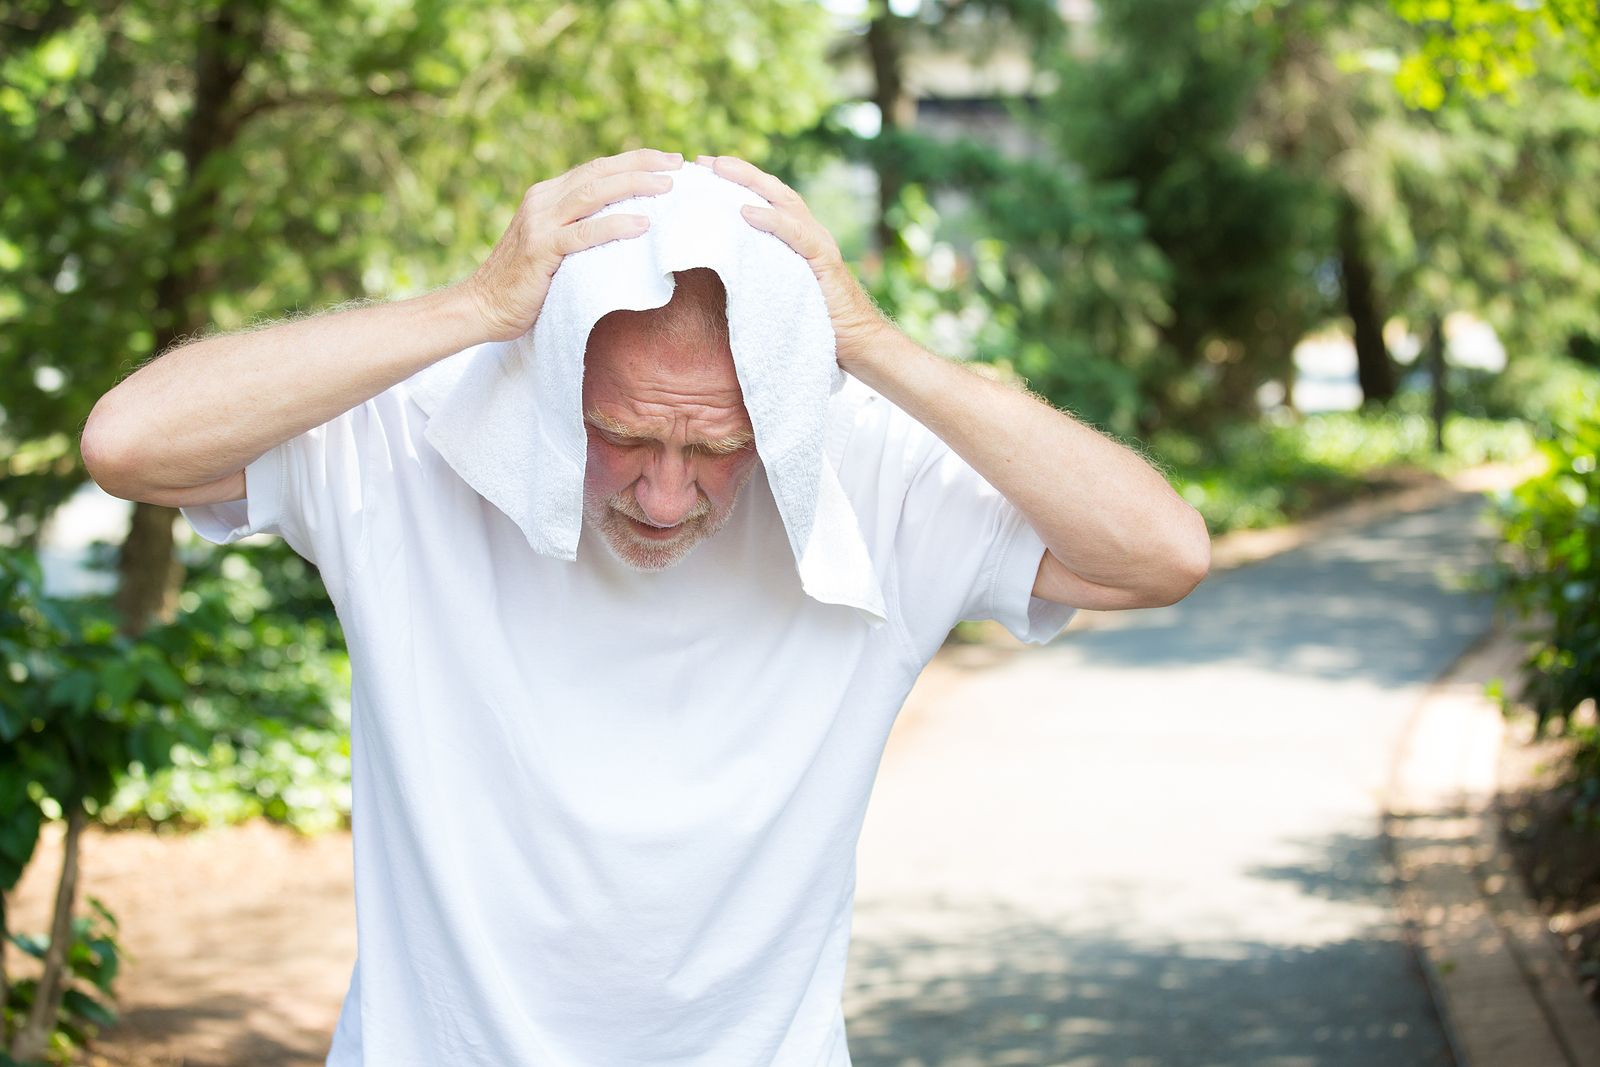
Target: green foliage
(295,775)
(1486,47)
(1156,112)
(93,959)
(249,673)
(1544,392)
(1061,290)
(1549,574)
(78,702)
(268,698)
(1490,213)
(1254,475)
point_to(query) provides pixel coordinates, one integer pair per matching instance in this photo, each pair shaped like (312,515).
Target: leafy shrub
(269,690)
(295,775)
(92,961)
(1549,574)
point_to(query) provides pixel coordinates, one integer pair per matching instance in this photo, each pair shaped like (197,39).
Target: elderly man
(605,810)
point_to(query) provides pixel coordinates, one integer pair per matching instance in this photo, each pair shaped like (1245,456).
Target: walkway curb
(1508,995)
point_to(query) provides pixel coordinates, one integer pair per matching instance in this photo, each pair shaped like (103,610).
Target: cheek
(723,479)
(606,472)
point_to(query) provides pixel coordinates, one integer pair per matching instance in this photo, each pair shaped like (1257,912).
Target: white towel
(507,416)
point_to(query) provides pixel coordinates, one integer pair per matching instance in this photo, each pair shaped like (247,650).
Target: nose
(667,492)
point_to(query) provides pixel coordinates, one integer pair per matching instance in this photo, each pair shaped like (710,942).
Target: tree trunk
(34,1036)
(5,983)
(897,109)
(1374,368)
(148,573)
(1436,371)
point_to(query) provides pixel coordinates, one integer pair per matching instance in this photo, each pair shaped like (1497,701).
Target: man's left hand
(857,322)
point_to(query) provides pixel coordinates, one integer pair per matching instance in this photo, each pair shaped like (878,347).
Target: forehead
(635,375)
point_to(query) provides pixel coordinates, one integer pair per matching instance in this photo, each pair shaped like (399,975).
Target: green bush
(268,695)
(295,775)
(1549,575)
(93,958)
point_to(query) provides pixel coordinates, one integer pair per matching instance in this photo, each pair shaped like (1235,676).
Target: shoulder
(863,423)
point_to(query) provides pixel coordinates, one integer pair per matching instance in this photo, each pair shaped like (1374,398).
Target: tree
(1159,108)
(970,27)
(1490,47)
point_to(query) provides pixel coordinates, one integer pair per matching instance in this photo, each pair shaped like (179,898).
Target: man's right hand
(553,221)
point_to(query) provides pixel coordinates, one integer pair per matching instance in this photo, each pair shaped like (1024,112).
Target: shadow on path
(1386,602)
(1021,993)
(1158,841)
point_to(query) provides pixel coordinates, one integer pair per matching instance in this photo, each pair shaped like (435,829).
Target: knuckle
(532,232)
(570,237)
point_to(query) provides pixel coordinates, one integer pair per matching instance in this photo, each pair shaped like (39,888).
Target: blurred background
(1298,253)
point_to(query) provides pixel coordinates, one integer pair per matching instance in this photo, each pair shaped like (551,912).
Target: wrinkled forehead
(675,354)
(627,365)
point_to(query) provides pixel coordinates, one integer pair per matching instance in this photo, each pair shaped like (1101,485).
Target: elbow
(108,455)
(1196,554)
(1191,561)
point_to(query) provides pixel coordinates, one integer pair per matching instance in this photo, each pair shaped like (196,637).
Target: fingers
(749,175)
(805,239)
(591,232)
(788,218)
(638,159)
(592,195)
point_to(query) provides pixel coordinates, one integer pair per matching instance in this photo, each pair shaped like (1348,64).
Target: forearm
(1103,512)
(205,410)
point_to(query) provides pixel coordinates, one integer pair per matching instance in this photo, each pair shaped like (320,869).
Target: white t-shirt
(604,818)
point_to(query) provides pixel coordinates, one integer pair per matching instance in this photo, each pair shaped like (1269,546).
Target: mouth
(654,533)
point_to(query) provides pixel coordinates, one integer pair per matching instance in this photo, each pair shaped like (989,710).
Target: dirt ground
(1560,863)
(237,941)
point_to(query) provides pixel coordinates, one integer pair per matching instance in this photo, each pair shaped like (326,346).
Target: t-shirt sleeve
(959,549)
(311,490)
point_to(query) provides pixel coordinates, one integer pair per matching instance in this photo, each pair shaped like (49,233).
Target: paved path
(1156,842)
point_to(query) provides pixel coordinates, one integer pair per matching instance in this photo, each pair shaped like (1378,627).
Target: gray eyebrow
(721,445)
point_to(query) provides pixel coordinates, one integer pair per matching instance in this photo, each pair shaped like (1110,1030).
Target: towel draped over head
(507,415)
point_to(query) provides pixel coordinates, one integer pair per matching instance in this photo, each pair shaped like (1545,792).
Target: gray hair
(696,317)
(699,308)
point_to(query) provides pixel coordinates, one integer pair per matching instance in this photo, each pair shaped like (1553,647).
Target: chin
(641,554)
(650,556)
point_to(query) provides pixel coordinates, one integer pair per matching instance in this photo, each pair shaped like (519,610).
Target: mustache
(630,508)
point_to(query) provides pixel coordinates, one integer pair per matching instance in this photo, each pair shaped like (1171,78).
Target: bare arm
(181,429)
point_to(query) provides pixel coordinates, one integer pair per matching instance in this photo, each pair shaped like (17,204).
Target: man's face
(670,442)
